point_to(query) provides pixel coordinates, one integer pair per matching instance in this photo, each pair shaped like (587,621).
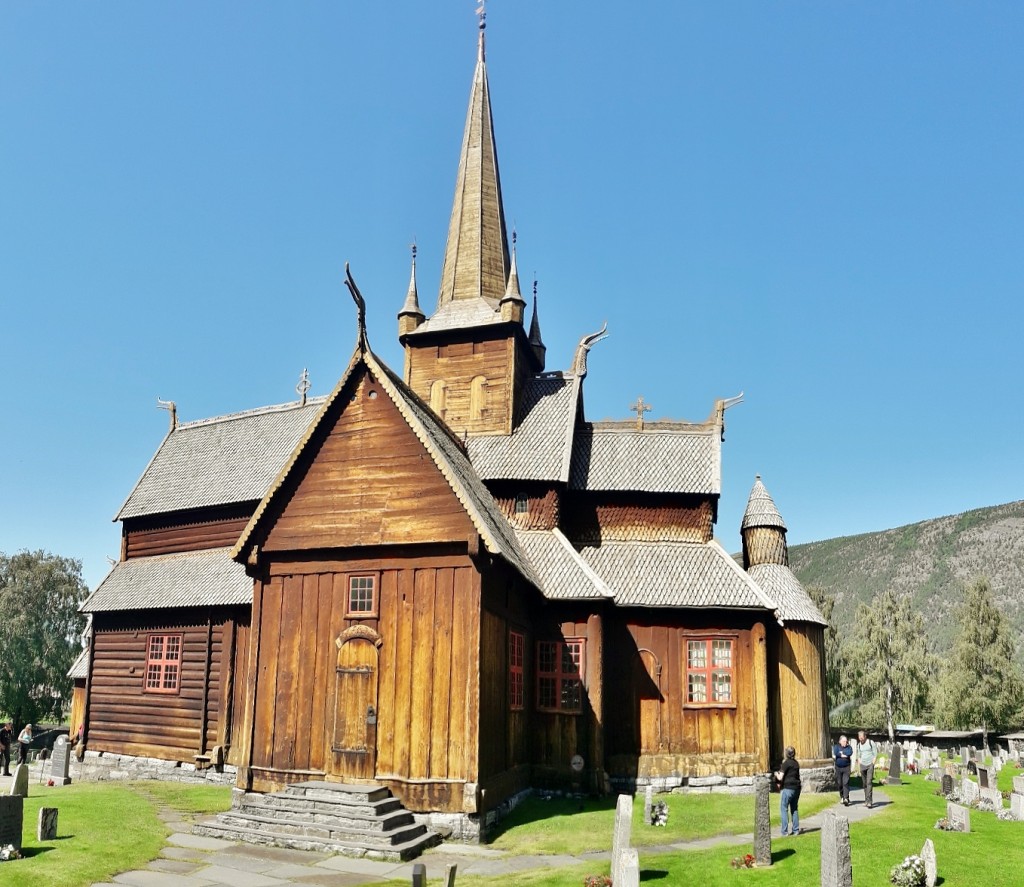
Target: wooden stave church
(449,581)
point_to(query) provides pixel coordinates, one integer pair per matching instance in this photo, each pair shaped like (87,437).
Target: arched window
(439,397)
(478,397)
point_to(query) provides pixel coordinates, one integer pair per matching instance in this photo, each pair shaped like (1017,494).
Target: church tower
(799,707)
(471,358)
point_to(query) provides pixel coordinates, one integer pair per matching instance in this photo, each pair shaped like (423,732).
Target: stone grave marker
(965,754)
(974,753)
(936,774)
(60,761)
(994,796)
(12,819)
(947,783)
(982,776)
(836,862)
(1017,807)
(419,875)
(648,804)
(972,768)
(969,790)
(949,753)
(931,866)
(1018,784)
(19,784)
(894,767)
(629,876)
(622,834)
(449,874)
(951,768)
(46,827)
(959,816)
(762,822)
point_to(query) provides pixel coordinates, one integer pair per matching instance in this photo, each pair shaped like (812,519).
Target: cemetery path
(192,861)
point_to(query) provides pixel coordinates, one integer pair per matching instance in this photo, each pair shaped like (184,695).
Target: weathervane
(482,14)
(640,408)
(302,389)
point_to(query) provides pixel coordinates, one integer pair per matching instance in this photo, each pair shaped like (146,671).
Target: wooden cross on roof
(640,408)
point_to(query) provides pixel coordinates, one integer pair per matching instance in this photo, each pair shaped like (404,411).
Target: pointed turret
(476,259)
(513,306)
(763,530)
(411,316)
(536,343)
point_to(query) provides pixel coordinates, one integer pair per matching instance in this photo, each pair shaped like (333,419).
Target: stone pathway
(192,861)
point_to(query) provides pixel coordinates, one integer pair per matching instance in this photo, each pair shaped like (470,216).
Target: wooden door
(649,681)
(354,740)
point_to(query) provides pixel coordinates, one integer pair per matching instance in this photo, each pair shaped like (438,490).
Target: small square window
(709,671)
(163,664)
(362,597)
(560,675)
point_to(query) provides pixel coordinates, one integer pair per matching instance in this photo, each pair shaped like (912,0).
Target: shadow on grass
(29,852)
(653,875)
(537,809)
(780,855)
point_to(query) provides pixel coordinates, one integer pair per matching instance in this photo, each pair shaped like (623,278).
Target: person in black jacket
(6,738)
(788,776)
(842,752)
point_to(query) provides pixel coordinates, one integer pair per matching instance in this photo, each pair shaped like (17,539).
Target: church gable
(364,479)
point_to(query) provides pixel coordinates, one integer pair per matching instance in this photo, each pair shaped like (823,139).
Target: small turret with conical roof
(540,350)
(411,316)
(763,530)
(513,306)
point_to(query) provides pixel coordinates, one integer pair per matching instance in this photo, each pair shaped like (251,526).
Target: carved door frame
(353,739)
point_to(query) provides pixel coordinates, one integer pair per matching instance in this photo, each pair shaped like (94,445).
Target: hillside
(931,561)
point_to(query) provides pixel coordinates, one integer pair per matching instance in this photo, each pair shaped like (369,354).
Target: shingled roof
(794,603)
(675,574)
(669,458)
(188,579)
(561,571)
(219,461)
(540,446)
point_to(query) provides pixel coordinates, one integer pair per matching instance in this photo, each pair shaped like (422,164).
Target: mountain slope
(931,561)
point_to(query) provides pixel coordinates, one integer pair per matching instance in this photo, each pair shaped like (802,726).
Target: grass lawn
(103,828)
(991,855)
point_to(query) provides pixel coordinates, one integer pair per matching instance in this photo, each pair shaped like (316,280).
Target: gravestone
(931,866)
(936,774)
(12,820)
(60,761)
(969,790)
(974,754)
(947,784)
(19,784)
(622,833)
(951,768)
(894,766)
(449,874)
(993,796)
(648,804)
(949,753)
(1017,807)
(972,768)
(419,875)
(982,776)
(959,816)
(1018,784)
(762,822)
(46,827)
(965,754)
(836,862)
(997,765)
(629,876)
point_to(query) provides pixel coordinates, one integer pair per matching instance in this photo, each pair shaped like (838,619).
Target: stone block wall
(101,766)
(814,779)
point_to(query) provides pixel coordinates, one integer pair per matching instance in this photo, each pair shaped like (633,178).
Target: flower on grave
(659,814)
(909,873)
(49,782)
(1005,815)
(743,862)
(8,852)
(946,825)
(597,881)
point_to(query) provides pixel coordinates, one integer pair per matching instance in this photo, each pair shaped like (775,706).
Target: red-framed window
(163,663)
(362,597)
(710,670)
(560,675)
(516,663)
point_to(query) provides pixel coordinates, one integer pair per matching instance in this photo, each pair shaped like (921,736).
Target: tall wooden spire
(476,259)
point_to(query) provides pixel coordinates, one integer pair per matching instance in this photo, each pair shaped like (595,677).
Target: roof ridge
(256,411)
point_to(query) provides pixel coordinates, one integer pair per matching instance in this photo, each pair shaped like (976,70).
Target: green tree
(891,664)
(826,603)
(39,633)
(982,684)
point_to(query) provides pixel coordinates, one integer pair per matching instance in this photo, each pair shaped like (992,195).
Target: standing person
(788,776)
(867,752)
(6,738)
(24,740)
(842,752)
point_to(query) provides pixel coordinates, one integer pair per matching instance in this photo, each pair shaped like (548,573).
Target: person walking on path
(842,752)
(867,752)
(24,741)
(788,776)
(6,738)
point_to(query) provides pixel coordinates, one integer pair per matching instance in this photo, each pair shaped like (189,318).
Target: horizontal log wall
(185,531)
(125,719)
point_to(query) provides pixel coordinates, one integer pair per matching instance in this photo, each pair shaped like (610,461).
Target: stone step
(329,826)
(285,800)
(398,852)
(338,791)
(353,817)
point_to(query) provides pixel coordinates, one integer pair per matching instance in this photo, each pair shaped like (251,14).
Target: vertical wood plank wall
(428,678)
(799,710)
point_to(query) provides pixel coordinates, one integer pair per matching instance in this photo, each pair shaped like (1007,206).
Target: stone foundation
(467,828)
(103,766)
(814,779)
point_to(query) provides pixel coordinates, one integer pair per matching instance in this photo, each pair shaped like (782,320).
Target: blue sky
(818,204)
